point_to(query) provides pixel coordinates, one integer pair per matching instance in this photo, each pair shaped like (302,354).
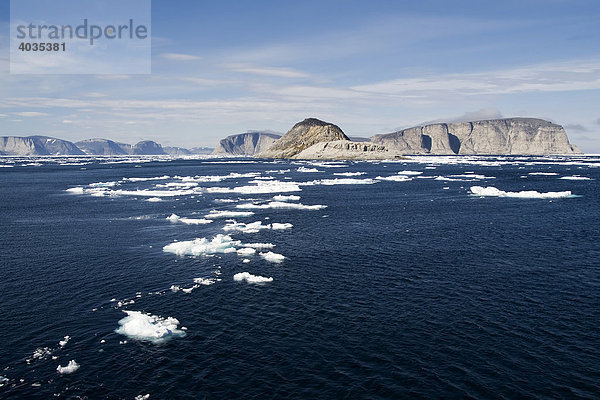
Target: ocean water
(435,277)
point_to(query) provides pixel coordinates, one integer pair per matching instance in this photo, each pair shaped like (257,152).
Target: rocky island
(246,144)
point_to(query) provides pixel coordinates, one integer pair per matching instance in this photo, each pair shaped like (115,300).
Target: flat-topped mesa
(523,136)
(303,135)
(246,144)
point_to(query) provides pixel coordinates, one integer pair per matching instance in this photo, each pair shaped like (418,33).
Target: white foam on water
(273,257)
(154,199)
(543,173)
(246,251)
(71,367)
(281,197)
(308,170)
(64,342)
(281,205)
(190,221)
(576,178)
(349,173)
(491,191)
(228,214)
(150,328)
(394,178)
(249,278)
(203,246)
(259,246)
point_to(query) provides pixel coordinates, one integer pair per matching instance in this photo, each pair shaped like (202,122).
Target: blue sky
(225,67)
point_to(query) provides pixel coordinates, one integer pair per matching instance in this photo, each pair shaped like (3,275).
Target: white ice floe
(259,246)
(491,191)
(246,251)
(345,181)
(40,353)
(151,328)
(268,187)
(154,199)
(205,281)
(575,178)
(228,214)
(282,205)
(281,197)
(71,367)
(64,342)
(142,396)
(272,257)
(543,173)
(349,173)
(155,178)
(202,246)
(279,226)
(308,170)
(189,221)
(410,172)
(394,178)
(245,276)
(252,227)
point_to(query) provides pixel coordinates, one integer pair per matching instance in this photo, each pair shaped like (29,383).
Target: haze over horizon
(231,67)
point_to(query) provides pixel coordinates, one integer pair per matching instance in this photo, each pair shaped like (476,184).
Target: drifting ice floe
(64,342)
(526,194)
(345,181)
(394,178)
(268,187)
(273,257)
(245,276)
(154,199)
(291,197)
(189,221)
(576,178)
(252,227)
(197,247)
(308,170)
(205,281)
(228,214)
(282,205)
(259,245)
(543,173)
(410,172)
(150,328)
(349,173)
(71,367)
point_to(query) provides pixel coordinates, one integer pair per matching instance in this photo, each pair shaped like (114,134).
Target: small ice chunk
(491,191)
(278,226)
(245,276)
(64,342)
(281,197)
(273,257)
(228,214)
(246,251)
(150,328)
(71,367)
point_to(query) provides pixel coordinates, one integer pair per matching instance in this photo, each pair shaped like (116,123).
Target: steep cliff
(103,147)
(245,144)
(147,148)
(346,150)
(303,135)
(37,146)
(497,136)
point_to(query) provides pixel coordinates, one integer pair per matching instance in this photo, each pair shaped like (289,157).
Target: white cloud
(30,114)
(268,71)
(179,57)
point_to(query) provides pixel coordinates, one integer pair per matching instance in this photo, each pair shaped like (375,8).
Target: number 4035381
(42,46)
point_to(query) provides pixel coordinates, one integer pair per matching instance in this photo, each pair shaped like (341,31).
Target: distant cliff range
(316,139)
(48,146)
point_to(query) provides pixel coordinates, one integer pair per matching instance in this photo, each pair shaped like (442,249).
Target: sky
(231,66)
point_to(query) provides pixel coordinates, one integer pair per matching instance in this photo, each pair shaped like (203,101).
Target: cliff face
(498,136)
(103,147)
(147,148)
(245,144)
(37,145)
(303,135)
(346,150)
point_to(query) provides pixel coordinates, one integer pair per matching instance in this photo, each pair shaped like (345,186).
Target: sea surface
(433,277)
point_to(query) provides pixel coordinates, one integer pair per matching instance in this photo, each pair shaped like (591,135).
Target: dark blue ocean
(408,284)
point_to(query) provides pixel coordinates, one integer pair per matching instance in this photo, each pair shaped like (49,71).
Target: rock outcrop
(524,136)
(37,146)
(147,148)
(103,147)
(346,150)
(303,135)
(176,151)
(245,144)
